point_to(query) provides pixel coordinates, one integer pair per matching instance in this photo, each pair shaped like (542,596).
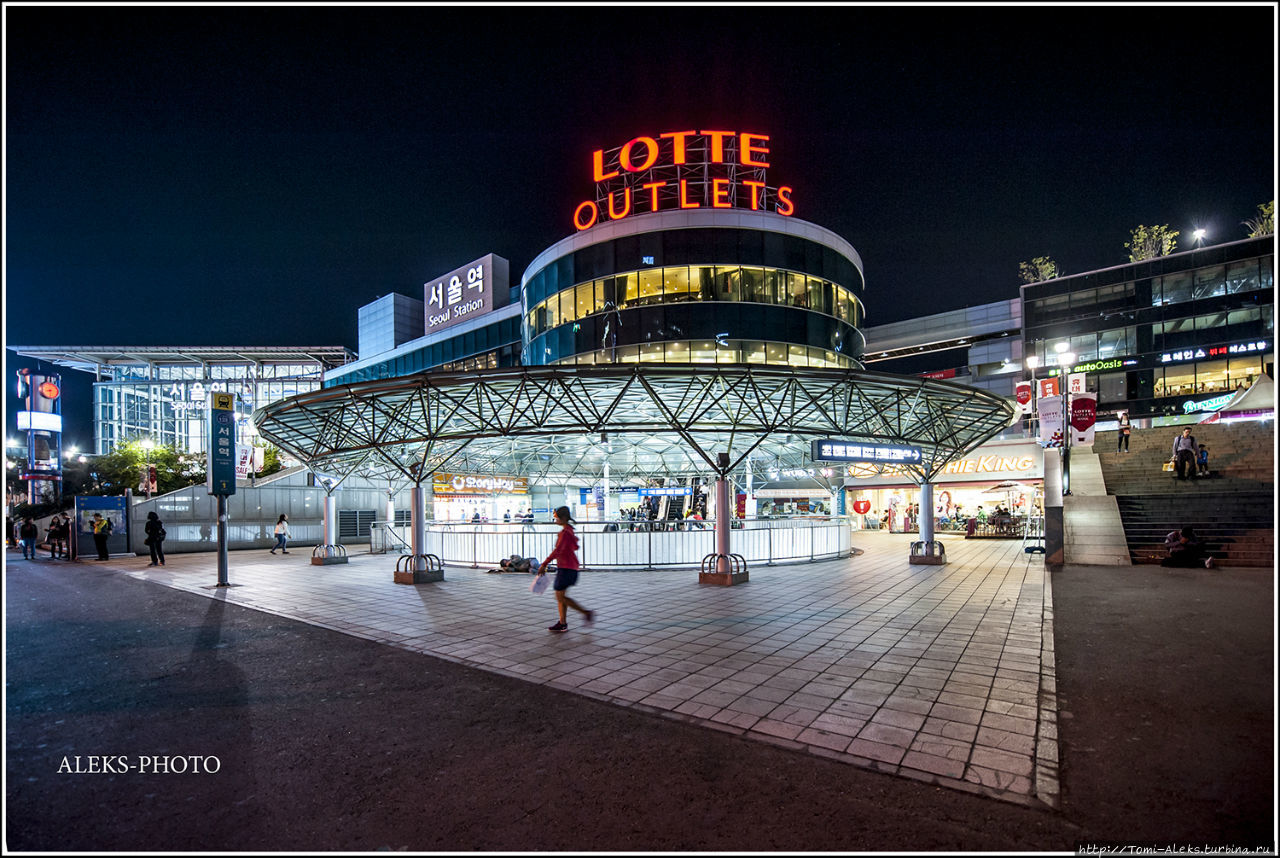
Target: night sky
(253,175)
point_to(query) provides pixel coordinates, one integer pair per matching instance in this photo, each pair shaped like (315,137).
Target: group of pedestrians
(57,537)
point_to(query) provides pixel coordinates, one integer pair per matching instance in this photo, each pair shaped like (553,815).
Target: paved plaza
(939,673)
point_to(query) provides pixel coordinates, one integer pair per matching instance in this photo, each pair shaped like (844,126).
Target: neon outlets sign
(682,170)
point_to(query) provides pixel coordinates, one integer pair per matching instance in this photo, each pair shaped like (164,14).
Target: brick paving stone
(968,701)
(1025,726)
(1002,781)
(950,729)
(752,705)
(845,725)
(886,734)
(1001,761)
(934,765)
(894,718)
(876,751)
(823,739)
(956,713)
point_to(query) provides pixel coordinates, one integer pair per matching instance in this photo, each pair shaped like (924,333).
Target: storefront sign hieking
(1021,460)
(682,170)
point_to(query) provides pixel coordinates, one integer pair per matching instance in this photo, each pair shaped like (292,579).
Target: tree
(271,462)
(1148,242)
(1264,223)
(122,468)
(1039,269)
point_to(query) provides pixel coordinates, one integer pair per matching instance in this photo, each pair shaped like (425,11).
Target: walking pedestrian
(1122,439)
(101,532)
(1202,461)
(27,535)
(565,555)
(282,534)
(155,538)
(1184,454)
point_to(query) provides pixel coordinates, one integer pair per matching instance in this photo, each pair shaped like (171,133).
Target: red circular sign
(862,507)
(49,390)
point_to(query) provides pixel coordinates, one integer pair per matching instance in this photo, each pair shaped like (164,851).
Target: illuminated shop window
(678,284)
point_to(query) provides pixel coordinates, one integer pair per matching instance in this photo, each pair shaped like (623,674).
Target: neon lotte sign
(682,170)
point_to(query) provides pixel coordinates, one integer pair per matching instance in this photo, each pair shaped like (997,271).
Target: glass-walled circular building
(696,286)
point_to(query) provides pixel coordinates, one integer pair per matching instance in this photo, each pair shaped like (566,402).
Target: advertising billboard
(465,293)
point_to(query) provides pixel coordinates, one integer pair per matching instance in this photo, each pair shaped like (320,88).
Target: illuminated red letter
(652,187)
(746,149)
(720,194)
(626,209)
(597,165)
(677,138)
(577,215)
(717,144)
(684,196)
(785,206)
(755,186)
(625,159)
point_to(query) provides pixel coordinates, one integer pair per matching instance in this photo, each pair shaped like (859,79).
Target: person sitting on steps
(1186,550)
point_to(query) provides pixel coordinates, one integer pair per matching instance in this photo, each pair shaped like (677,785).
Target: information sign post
(220,467)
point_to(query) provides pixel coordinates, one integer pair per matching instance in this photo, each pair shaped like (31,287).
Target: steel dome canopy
(646,420)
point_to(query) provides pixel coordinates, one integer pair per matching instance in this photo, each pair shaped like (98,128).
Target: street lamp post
(1033,361)
(147,444)
(1065,359)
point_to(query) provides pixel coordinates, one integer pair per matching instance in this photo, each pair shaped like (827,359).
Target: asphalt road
(326,742)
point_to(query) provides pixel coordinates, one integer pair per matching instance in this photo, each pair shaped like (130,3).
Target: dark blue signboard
(861,451)
(221,459)
(114,510)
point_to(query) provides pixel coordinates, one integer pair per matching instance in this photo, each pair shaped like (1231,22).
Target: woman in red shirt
(565,554)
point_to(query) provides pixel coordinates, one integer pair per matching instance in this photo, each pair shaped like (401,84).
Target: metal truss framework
(558,423)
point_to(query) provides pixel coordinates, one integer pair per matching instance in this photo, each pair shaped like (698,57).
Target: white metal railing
(633,544)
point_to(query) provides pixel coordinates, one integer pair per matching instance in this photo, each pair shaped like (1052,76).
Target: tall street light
(1033,361)
(1065,359)
(1199,235)
(147,444)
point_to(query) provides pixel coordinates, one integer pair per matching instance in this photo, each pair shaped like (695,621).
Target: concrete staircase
(1233,510)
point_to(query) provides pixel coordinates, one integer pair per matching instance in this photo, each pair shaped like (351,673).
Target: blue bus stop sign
(221,457)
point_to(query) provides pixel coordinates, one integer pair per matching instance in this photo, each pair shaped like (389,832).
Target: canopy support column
(723,568)
(418,567)
(927,550)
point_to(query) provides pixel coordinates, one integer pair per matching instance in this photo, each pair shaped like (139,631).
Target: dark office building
(1165,336)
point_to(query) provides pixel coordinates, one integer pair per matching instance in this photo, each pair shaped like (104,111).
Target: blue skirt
(565,578)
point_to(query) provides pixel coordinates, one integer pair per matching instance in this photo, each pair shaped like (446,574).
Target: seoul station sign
(465,292)
(677,170)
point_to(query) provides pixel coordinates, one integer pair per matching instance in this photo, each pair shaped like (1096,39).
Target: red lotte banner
(1084,416)
(1024,396)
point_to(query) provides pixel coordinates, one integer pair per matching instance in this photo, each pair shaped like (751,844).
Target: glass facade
(1153,333)
(700,295)
(486,347)
(168,402)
